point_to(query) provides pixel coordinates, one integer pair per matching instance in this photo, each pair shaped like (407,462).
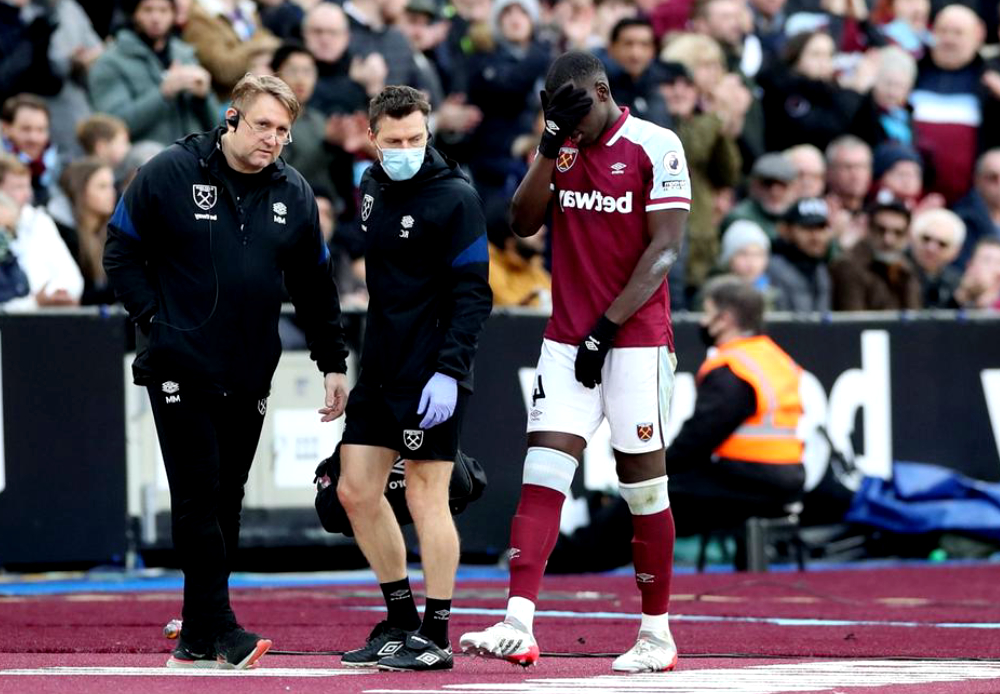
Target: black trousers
(208,442)
(724,493)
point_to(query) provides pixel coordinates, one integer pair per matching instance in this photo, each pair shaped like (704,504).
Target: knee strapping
(547,467)
(646,498)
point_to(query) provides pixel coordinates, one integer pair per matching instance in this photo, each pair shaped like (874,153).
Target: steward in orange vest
(767,436)
(738,455)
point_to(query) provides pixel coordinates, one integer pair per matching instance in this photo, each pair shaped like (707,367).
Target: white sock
(522,611)
(656,624)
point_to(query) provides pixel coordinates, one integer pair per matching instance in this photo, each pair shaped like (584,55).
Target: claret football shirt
(602,194)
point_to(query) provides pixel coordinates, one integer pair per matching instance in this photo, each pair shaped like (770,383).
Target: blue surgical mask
(402,164)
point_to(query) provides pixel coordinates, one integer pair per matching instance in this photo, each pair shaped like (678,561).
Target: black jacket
(724,402)
(798,109)
(201,274)
(427,269)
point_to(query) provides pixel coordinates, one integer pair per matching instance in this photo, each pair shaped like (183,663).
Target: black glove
(592,351)
(563,111)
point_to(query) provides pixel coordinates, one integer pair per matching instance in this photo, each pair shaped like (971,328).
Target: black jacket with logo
(201,272)
(427,268)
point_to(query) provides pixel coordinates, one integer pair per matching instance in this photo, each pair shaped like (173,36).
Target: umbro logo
(428,658)
(442,614)
(279,208)
(399,594)
(592,345)
(618,168)
(645,578)
(389,648)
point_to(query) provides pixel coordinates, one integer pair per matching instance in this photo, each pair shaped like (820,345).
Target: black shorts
(371,421)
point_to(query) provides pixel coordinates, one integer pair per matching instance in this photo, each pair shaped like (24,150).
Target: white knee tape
(646,498)
(547,467)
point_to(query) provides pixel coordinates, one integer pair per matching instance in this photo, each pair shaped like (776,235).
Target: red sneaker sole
(525,659)
(262,647)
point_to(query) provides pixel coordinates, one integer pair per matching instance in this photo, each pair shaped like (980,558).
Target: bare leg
(427,498)
(364,471)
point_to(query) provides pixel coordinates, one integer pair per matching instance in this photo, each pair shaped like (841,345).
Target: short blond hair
(11,165)
(689,49)
(939,217)
(893,60)
(250,87)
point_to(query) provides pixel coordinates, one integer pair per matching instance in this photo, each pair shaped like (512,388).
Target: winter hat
(739,235)
(529,6)
(888,154)
(773,166)
(427,7)
(808,212)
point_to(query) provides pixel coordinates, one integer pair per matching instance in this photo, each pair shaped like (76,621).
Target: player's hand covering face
(563,110)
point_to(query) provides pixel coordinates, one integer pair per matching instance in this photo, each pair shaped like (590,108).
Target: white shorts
(634,395)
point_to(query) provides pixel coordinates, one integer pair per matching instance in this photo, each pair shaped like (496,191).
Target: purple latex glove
(438,400)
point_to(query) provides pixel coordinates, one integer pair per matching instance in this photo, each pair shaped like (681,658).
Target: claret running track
(916,629)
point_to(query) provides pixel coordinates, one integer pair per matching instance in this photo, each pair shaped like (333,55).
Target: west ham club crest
(566,158)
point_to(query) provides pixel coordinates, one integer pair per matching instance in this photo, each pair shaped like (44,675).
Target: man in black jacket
(197,250)
(738,455)
(426,266)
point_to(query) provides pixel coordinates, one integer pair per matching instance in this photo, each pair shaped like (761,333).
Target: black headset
(234,120)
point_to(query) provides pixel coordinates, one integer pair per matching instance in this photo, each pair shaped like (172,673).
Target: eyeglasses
(265,131)
(927,239)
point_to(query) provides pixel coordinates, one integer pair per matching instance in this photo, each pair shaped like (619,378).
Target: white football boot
(651,653)
(503,641)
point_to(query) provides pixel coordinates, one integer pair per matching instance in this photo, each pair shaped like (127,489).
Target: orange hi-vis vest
(769,435)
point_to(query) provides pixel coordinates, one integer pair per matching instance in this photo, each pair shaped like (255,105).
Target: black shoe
(419,653)
(191,656)
(239,649)
(383,641)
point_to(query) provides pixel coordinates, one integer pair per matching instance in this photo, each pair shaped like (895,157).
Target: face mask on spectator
(402,164)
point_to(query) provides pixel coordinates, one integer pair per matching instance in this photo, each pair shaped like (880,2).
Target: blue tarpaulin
(922,498)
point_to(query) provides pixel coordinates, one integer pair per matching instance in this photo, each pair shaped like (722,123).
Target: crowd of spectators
(844,154)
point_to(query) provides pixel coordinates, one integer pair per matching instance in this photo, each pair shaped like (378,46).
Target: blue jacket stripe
(324,254)
(475,253)
(123,221)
